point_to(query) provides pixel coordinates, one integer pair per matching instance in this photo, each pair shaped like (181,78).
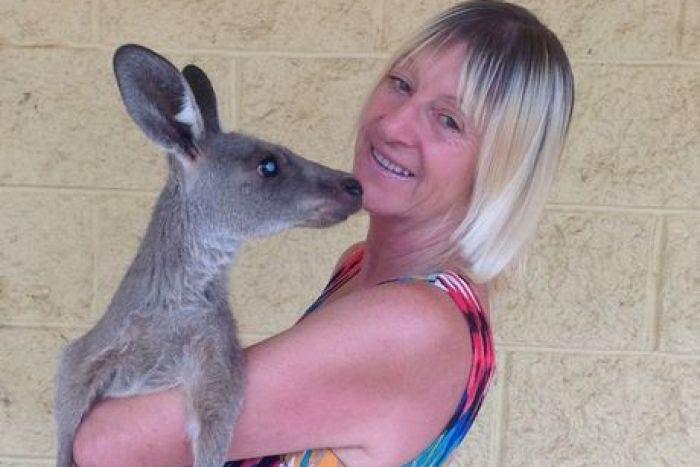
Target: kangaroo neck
(175,264)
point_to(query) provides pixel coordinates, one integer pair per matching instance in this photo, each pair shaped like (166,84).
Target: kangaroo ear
(159,100)
(204,95)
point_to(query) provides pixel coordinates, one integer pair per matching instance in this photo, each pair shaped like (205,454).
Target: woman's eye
(268,167)
(400,83)
(449,122)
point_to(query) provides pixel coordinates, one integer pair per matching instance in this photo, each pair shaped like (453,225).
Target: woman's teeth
(390,166)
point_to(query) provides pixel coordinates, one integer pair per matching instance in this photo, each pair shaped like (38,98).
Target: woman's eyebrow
(453,101)
(449,97)
(407,64)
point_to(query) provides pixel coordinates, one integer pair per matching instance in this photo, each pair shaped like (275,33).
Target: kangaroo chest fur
(153,355)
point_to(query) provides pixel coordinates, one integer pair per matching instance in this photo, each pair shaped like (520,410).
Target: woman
(456,150)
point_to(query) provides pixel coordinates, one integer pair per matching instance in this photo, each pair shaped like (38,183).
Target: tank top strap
(346,270)
(343,273)
(461,290)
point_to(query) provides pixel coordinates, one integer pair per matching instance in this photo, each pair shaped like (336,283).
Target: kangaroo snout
(333,201)
(352,187)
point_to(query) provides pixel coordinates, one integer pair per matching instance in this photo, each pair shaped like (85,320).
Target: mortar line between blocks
(614,353)
(319,55)
(46,325)
(623,62)
(232,53)
(76,190)
(274,54)
(236,91)
(379,40)
(52,45)
(94,16)
(659,265)
(95,245)
(659,210)
(498,423)
(678,39)
(18,459)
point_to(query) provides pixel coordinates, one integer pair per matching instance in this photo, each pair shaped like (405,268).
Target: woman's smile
(389,167)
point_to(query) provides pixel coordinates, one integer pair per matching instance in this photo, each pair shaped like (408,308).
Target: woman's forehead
(427,55)
(446,64)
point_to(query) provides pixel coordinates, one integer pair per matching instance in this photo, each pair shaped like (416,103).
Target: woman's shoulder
(415,300)
(397,304)
(409,343)
(414,322)
(390,358)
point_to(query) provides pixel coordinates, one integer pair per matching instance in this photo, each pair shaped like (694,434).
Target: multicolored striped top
(479,380)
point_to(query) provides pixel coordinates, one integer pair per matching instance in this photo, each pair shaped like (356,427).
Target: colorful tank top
(478,382)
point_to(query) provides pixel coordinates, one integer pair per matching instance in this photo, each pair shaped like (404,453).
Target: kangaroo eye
(268,168)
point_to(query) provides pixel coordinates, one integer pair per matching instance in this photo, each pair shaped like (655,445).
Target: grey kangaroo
(169,323)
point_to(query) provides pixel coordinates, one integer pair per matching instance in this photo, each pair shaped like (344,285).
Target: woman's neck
(400,248)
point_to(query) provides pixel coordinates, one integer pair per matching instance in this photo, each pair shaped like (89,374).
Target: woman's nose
(400,123)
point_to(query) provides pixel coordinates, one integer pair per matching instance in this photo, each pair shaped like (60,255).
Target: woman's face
(416,151)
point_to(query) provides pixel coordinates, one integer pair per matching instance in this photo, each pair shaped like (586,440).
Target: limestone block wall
(598,343)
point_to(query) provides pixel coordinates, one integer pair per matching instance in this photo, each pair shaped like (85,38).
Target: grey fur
(169,323)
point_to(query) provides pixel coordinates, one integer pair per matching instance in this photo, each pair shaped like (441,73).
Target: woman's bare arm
(383,367)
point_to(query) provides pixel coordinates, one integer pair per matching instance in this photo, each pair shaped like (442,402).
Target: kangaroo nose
(352,187)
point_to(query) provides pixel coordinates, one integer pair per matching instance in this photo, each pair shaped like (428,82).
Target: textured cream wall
(598,347)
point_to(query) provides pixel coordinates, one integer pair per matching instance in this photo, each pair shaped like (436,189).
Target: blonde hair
(518,88)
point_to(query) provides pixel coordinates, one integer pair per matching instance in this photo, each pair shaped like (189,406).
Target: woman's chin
(381,195)
(382,206)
